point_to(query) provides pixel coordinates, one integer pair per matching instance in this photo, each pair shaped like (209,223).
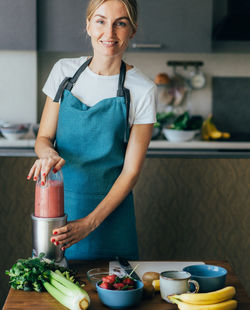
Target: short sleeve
(54,80)
(145,111)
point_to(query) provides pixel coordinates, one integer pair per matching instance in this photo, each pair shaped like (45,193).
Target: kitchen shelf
(164,144)
(157,148)
(20,143)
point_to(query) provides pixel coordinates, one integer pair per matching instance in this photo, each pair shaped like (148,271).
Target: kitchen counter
(33,300)
(199,149)
(17,148)
(157,148)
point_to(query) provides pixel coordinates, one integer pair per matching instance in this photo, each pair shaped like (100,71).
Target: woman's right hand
(44,165)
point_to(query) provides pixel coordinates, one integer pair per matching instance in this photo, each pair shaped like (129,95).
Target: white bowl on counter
(174,135)
(14,131)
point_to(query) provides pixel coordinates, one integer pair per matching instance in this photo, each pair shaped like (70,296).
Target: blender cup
(49,214)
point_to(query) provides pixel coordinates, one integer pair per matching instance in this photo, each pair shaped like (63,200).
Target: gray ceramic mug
(176,282)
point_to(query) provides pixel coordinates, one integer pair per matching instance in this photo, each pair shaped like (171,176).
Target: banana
(226,305)
(214,133)
(204,131)
(226,135)
(210,131)
(214,297)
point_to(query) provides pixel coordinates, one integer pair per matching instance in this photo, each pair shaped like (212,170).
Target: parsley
(29,274)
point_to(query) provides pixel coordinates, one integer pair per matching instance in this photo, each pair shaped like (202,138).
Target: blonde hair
(130,5)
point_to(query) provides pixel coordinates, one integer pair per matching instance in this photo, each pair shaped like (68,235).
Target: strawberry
(118,286)
(109,279)
(128,281)
(105,285)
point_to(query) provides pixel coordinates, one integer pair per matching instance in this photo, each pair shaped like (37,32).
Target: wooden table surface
(32,300)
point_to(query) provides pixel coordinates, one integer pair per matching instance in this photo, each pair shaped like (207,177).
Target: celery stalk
(63,299)
(61,288)
(67,293)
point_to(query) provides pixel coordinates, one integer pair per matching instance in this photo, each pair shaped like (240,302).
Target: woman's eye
(121,24)
(100,22)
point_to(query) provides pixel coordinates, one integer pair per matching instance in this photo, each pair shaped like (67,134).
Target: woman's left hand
(71,233)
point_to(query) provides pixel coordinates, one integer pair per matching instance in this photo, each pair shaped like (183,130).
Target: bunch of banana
(209,131)
(217,300)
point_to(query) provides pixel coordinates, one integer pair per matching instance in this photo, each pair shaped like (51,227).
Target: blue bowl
(209,277)
(116,299)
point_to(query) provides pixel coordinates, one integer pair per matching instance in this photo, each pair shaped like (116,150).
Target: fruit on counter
(162,79)
(223,294)
(156,285)
(210,132)
(148,290)
(220,299)
(71,295)
(225,305)
(113,282)
(150,276)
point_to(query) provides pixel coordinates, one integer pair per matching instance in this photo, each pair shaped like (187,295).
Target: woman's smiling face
(110,28)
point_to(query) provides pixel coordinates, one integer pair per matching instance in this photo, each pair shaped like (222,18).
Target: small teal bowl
(209,277)
(116,299)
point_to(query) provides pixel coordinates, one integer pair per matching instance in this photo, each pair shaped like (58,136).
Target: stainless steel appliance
(42,231)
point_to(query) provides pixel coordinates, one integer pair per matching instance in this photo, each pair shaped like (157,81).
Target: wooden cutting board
(159,266)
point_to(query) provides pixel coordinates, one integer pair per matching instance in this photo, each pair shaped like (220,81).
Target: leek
(67,293)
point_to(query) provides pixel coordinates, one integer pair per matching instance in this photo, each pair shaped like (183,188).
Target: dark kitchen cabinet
(174,26)
(231,23)
(18,25)
(61,26)
(164,26)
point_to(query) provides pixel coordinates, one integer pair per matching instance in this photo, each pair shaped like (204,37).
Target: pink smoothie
(49,199)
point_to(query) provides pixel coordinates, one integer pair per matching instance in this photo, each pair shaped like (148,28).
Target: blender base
(42,229)
(62,263)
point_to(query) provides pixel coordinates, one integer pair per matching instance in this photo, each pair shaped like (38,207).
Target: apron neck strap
(68,82)
(120,91)
(78,73)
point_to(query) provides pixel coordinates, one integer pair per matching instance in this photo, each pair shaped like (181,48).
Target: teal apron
(93,141)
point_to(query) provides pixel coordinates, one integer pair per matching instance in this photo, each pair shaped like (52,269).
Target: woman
(100,111)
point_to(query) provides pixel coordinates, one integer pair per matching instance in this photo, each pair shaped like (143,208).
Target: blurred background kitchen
(192,199)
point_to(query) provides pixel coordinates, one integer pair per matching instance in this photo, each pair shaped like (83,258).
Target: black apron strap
(77,74)
(69,82)
(61,89)
(124,92)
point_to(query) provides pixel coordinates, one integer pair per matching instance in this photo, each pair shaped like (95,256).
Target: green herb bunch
(29,274)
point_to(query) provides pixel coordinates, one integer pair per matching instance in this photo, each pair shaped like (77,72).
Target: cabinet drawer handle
(146,45)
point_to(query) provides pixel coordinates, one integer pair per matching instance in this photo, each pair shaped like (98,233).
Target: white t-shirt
(91,88)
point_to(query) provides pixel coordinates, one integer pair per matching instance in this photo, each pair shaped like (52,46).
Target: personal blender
(49,214)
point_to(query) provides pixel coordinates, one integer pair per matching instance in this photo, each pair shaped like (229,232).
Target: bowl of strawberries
(119,292)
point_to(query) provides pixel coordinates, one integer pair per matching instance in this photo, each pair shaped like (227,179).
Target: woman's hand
(44,146)
(73,232)
(43,166)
